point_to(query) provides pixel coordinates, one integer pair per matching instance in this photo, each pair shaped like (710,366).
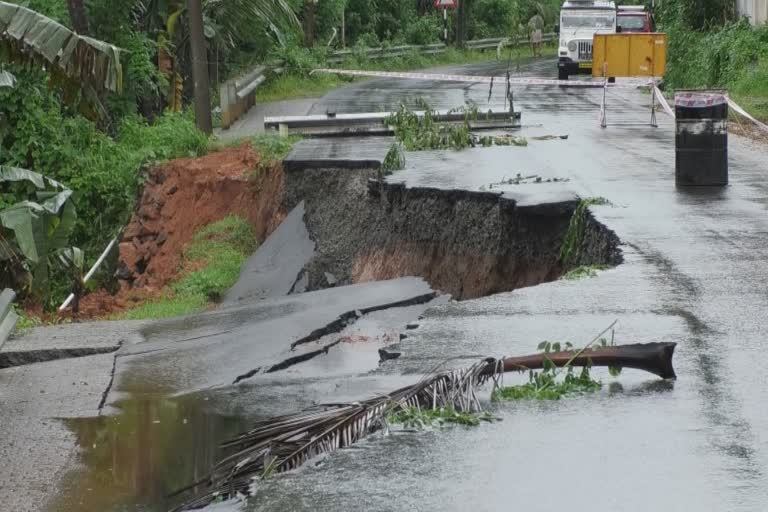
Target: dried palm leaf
(286,442)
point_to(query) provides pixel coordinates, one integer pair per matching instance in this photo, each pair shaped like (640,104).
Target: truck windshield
(631,23)
(576,21)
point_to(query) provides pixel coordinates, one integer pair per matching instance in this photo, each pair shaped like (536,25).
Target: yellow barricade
(629,54)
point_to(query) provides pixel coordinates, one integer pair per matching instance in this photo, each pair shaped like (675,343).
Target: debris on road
(287,442)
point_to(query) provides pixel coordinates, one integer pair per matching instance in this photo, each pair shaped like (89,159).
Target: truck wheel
(562,74)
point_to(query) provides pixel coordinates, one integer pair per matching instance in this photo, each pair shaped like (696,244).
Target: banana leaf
(30,38)
(35,231)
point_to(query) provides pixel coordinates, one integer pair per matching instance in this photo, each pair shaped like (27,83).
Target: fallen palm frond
(287,442)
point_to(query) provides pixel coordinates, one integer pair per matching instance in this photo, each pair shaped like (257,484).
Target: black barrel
(701,142)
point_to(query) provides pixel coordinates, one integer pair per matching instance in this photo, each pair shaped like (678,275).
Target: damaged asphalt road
(692,273)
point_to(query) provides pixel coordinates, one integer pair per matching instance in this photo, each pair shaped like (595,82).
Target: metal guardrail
(386,52)
(493,43)
(375,123)
(8,316)
(238,95)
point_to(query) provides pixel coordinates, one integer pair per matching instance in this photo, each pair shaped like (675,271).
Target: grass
(584,272)
(413,417)
(215,256)
(294,85)
(569,251)
(26,322)
(395,159)
(272,147)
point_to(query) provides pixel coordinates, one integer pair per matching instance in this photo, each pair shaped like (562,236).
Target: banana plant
(71,261)
(35,230)
(82,66)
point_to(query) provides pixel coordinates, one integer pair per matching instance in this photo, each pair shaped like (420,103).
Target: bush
(300,61)
(493,17)
(103,172)
(217,252)
(423,30)
(720,58)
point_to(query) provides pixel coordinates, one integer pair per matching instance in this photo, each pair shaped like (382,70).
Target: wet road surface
(694,274)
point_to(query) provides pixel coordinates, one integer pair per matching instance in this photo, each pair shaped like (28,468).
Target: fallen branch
(284,443)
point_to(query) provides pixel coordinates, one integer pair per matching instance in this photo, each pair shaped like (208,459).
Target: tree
(199,67)
(79,16)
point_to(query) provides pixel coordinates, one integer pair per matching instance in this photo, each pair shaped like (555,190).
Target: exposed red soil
(465,275)
(182,196)
(179,198)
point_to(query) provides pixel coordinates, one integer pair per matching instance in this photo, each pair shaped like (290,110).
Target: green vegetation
(584,272)
(26,321)
(422,132)
(503,140)
(414,417)
(272,147)
(97,138)
(103,171)
(216,255)
(710,48)
(545,385)
(395,159)
(569,251)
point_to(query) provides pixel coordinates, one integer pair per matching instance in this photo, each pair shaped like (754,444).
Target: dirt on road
(182,196)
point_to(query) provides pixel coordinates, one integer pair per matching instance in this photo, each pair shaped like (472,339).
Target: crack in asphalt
(336,326)
(111,380)
(350,317)
(26,357)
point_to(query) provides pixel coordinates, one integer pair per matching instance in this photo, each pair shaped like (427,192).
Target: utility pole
(199,67)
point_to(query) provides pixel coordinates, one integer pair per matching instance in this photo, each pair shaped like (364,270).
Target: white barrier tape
(732,104)
(664,102)
(474,79)
(746,114)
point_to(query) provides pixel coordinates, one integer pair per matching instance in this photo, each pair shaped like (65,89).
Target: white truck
(580,20)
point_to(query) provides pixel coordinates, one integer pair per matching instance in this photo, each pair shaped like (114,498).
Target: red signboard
(446,4)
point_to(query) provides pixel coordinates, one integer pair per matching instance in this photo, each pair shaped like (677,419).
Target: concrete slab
(339,152)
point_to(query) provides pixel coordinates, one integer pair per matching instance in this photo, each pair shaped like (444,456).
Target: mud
(184,195)
(469,244)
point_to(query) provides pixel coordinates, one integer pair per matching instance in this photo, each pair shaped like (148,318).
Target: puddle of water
(134,460)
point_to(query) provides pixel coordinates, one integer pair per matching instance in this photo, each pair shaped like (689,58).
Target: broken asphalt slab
(219,347)
(274,268)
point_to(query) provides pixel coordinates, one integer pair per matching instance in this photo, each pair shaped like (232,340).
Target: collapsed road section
(465,243)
